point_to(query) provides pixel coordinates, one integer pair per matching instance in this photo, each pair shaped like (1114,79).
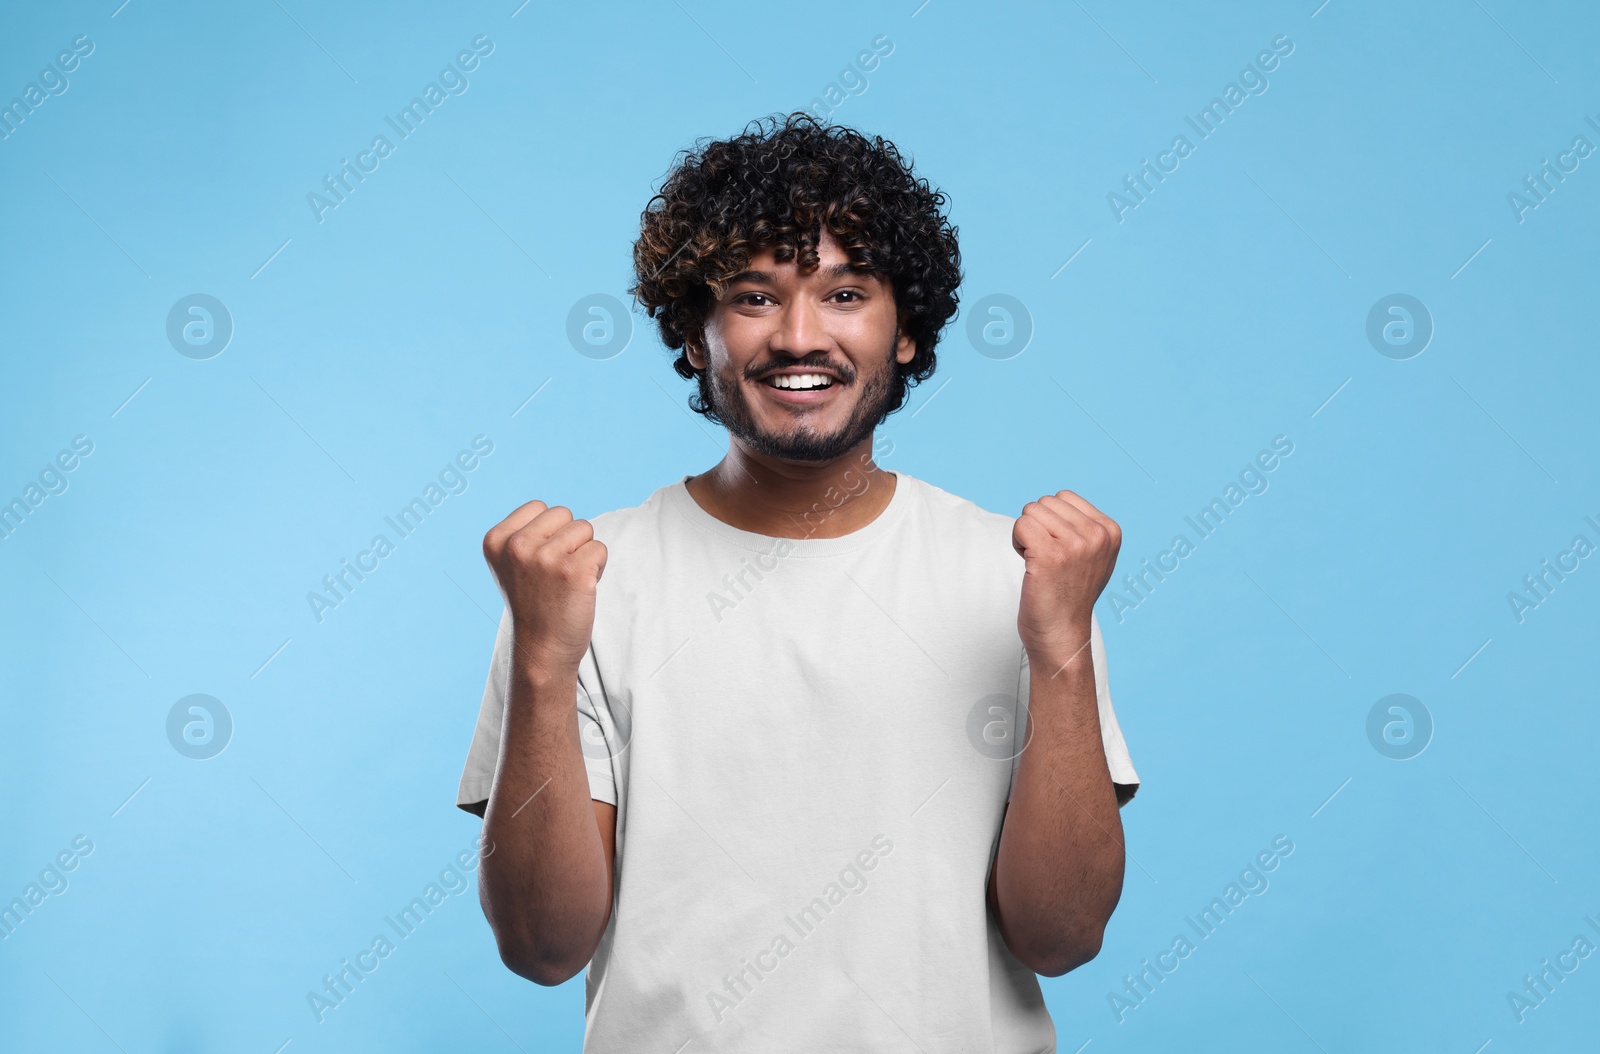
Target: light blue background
(1223,311)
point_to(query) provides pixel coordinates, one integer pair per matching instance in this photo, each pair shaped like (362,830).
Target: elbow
(549,976)
(1065,955)
(542,954)
(545,945)
(540,967)
(1052,948)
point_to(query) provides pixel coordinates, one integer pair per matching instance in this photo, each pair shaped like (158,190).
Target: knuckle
(522,549)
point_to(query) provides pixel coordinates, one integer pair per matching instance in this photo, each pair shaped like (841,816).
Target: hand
(547,565)
(1070,548)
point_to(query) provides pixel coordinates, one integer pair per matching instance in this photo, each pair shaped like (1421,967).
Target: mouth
(800,388)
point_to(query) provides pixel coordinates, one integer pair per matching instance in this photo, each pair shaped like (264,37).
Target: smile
(799,382)
(800,389)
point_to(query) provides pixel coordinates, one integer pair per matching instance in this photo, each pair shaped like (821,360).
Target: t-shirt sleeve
(484,753)
(1123,777)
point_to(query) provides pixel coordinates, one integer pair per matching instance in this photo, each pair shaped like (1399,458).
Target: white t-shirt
(810,743)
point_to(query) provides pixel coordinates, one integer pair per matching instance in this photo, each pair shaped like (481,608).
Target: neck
(793,499)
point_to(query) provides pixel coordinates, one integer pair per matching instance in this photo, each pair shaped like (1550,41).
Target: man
(792,809)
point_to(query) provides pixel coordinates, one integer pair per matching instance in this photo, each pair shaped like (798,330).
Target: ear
(905,348)
(693,353)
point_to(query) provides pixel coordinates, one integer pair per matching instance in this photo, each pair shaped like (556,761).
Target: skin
(782,459)
(547,887)
(1058,871)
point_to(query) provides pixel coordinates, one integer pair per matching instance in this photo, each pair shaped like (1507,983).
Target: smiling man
(843,772)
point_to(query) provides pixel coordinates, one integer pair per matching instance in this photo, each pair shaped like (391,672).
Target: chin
(819,436)
(809,449)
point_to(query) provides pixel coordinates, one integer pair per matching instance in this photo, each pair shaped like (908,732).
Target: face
(833,323)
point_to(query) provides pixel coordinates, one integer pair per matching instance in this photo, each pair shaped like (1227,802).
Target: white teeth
(801,381)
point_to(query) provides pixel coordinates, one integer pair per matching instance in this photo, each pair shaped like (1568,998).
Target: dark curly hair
(775,186)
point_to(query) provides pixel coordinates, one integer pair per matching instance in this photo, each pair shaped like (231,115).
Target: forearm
(1059,868)
(545,884)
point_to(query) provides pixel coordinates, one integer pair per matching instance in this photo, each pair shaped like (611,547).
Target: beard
(802,441)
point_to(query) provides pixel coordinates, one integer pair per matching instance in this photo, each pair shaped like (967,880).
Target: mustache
(838,369)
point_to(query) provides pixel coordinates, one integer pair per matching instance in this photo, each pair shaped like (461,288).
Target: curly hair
(776,186)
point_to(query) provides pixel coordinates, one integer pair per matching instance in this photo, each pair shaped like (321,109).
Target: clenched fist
(547,565)
(1069,548)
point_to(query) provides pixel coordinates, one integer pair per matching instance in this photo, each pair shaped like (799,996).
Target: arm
(605,818)
(1058,872)
(545,881)
(546,884)
(1058,869)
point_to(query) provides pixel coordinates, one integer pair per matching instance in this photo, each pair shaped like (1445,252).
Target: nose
(800,331)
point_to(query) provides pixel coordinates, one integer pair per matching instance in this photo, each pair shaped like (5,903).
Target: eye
(751,298)
(854,296)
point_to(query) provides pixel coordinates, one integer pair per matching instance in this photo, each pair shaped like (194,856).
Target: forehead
(832,263)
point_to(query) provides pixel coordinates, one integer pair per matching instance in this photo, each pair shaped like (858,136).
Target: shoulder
(964,528)
(953,514)
(638,526)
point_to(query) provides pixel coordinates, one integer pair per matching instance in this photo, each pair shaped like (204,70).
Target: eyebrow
(835,271)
